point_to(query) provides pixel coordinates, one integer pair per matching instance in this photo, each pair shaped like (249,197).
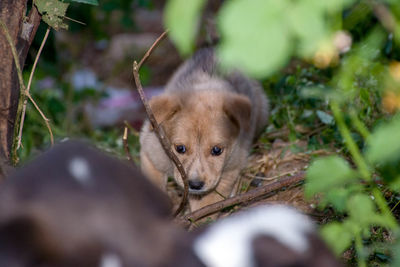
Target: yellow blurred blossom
(325,56)
(329,50)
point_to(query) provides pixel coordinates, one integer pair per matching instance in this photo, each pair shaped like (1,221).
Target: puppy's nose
(196,184)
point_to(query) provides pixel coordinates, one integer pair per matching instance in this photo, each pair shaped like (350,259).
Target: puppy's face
(203,128)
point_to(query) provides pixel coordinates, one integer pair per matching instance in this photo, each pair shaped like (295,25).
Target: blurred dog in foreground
(211,120)
(75,206)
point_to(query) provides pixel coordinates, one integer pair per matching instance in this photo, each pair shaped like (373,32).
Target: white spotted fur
(227,243)
(80,170)
(110,260)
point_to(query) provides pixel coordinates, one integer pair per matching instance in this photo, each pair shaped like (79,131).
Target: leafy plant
(54,11)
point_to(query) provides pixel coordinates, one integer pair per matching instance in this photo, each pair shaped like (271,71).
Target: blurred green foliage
(183,34)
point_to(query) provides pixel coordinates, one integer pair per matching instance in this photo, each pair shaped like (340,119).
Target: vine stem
(351,145)
(360,249)
(381,202)
(360,127)
(21,125)
(23,92)
(362,165)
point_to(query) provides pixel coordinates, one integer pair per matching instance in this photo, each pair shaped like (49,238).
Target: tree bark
(22,30)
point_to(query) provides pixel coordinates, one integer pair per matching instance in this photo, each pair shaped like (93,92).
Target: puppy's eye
(216,151)
(181,149)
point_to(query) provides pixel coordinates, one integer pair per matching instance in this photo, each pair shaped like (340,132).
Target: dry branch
(154,45)
(243,198)
(159,131)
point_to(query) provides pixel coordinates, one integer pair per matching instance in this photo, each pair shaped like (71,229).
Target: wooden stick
(242,198)
(158,129)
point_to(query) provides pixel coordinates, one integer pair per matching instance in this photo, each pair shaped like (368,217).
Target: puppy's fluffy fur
(211,119)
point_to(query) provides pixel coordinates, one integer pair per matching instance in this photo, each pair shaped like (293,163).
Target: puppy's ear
(238,110)
(164,107)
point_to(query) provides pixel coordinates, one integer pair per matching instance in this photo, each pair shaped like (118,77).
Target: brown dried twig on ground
(242,198)
(159,131)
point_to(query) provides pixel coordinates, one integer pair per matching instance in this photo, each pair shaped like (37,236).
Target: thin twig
(46,120)
(243,198)
(218,193)
(317,130)
(272,177)
(156,42)
(21,125)
(158,129)
(74,20)
(23,92)
(126,146)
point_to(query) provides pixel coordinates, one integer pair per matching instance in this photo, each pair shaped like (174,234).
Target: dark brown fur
(48,217)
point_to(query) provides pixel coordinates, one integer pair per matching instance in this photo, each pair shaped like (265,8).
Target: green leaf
(327,173)
(383,145)
(255,36)
(337,236)
(182,19)
(337,197)
(332,5)
(53,12)
(361,208)
(309,27)
(325,117)
(89,2)
(258,36)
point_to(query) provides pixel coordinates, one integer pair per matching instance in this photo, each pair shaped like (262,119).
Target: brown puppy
(211,120)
